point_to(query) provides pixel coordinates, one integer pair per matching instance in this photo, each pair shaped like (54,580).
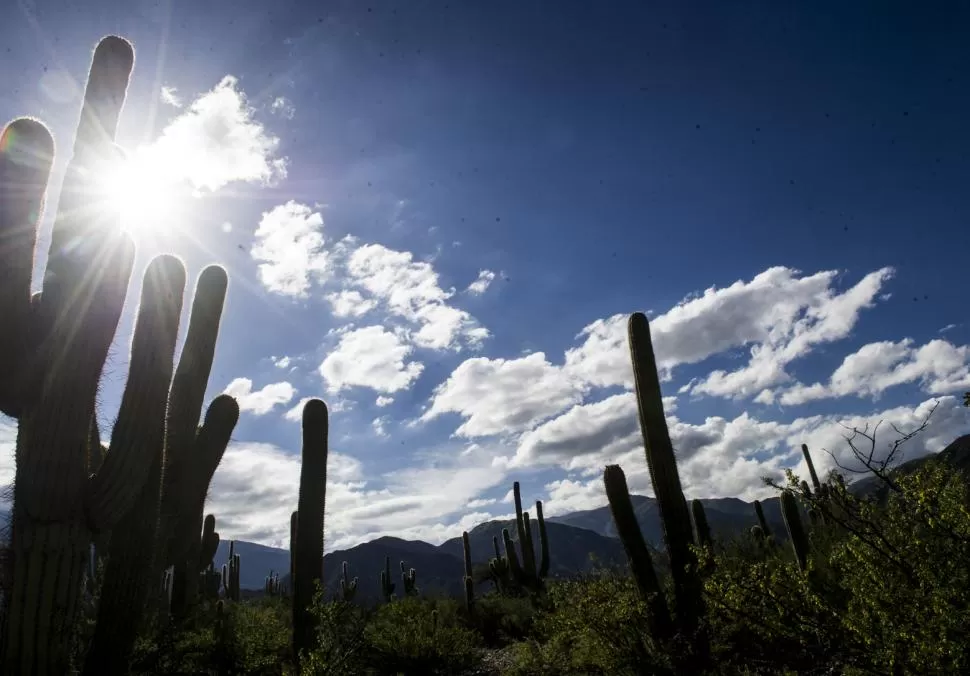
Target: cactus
(231,572)
(348,587)
(294,519)
(409,580)
(468,579)
(524,572)
(499,566)
(309,535)
(811,468)
(796,531)
(702,529)
(387,587)
(758,533)
(762,521)
(674,514)
(637,553)
(210,580)
(515,570)
(271,584)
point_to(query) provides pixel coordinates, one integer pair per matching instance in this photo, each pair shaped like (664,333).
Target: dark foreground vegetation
(108,566)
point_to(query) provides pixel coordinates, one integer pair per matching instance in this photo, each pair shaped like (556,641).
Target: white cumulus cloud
(370,357)
(260,402)
(290,249)
(480,285)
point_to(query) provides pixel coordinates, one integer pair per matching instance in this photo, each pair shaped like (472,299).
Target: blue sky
(437,215)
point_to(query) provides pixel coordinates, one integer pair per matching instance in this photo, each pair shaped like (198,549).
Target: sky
(437,217)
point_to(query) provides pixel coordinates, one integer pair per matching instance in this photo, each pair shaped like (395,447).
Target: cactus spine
(387,587)
(637,553)
(348,587)
(674,514)
(309,535)
(468,579)
(796,531)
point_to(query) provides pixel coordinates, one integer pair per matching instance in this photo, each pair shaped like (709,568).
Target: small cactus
(762,521)
(409,580)
(702,529)
(348,587)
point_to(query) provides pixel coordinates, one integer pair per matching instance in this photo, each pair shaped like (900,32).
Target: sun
(141,190)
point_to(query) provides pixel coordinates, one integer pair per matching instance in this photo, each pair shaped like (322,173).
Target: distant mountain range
(578,542)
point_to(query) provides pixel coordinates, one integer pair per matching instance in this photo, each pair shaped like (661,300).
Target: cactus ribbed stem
(309,536)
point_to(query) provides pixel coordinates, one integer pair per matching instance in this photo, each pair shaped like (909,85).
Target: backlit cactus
(674,514)
(52,353)
(637,553)
(309,535)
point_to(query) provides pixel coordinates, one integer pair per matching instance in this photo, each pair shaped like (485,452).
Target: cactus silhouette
(637,553)
(796,530)
(468,580)
(309,535)
(348,587)
(387,587)
(674,513)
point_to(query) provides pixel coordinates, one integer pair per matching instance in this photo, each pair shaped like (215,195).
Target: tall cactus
(468,579)
(51,357)
(309,535)
(526,573)
(674,514)
(637,553)
(796,530)
(811,468)
(387,586)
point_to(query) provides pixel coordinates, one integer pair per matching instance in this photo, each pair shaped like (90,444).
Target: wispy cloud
(481,284)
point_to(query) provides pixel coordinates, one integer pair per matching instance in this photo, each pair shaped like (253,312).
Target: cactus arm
(521,525)
(762,521)
(26,156)
(701,527)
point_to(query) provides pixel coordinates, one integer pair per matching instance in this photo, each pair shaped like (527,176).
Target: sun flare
(142,191)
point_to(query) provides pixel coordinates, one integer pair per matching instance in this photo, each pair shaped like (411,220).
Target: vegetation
(867,584)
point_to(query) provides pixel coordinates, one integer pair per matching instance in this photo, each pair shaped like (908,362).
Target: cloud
(938,366)
(380,425)
(383,401)
(216,141)
(370,357)
(283,107)
(719,456)
(480,285)
(282,362)
(290,249)
(350,303)
(948,327)
(780,314)
(478,504)
(261,401)
(170,97)
(410,289)
(503,396)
